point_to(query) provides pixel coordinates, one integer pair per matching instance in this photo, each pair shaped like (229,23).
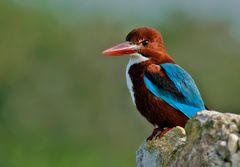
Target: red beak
(124,48)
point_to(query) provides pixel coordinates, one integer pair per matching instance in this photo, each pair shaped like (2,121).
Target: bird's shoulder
(157,75)
(155,69)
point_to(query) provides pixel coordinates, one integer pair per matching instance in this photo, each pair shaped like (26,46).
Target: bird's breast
(134,59)
(130,85)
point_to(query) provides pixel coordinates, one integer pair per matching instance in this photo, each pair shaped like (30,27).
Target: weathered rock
(232,143)
(160,152)
(211,140)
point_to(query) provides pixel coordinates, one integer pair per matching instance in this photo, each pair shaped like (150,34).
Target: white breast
(134,59)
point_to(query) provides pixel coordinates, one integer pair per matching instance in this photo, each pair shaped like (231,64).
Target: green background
(63,104)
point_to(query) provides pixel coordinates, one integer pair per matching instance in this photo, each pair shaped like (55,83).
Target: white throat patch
(134,59)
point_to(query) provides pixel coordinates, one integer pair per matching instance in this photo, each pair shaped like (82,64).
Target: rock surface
(211,140)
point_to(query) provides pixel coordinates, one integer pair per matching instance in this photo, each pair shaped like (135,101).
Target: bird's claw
(158,133)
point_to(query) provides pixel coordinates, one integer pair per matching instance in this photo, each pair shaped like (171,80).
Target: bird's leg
(165,130)
(156,132)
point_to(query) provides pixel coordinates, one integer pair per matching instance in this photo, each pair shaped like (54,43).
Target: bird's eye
(145,42)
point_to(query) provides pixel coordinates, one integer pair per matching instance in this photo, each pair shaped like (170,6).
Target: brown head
(145,41)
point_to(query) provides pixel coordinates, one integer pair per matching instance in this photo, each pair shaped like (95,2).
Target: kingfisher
(163,92)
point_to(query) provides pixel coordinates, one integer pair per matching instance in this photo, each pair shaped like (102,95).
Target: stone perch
(211,140)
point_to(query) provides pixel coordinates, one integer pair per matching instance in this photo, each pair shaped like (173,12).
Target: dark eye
(145,42)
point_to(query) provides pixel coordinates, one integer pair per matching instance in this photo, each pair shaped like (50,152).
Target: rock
(235,159)
(222,151)
(152,153)
(232,143)
(211,140)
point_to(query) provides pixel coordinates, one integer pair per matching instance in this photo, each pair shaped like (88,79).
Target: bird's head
(144,41)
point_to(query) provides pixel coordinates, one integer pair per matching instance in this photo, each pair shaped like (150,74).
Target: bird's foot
(164,132)
(158,133)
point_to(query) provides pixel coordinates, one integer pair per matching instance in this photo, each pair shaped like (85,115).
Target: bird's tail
(206,107)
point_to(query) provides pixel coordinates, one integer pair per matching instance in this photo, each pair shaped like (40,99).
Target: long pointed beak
(124,48)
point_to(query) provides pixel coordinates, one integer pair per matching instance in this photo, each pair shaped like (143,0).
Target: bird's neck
(166,58)
(136,58)
(162,57)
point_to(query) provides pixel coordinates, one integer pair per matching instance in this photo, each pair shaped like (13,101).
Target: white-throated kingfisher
(163,92)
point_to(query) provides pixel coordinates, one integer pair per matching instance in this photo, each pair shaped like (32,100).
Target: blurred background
(63,104)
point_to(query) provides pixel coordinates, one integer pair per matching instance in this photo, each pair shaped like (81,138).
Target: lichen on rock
(211,140)
(161,152)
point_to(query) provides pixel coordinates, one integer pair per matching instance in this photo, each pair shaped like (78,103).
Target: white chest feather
(134,59)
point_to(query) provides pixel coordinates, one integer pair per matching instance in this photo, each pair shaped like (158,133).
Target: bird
(162,91)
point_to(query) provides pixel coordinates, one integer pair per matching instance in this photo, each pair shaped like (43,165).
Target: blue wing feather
(191,101)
